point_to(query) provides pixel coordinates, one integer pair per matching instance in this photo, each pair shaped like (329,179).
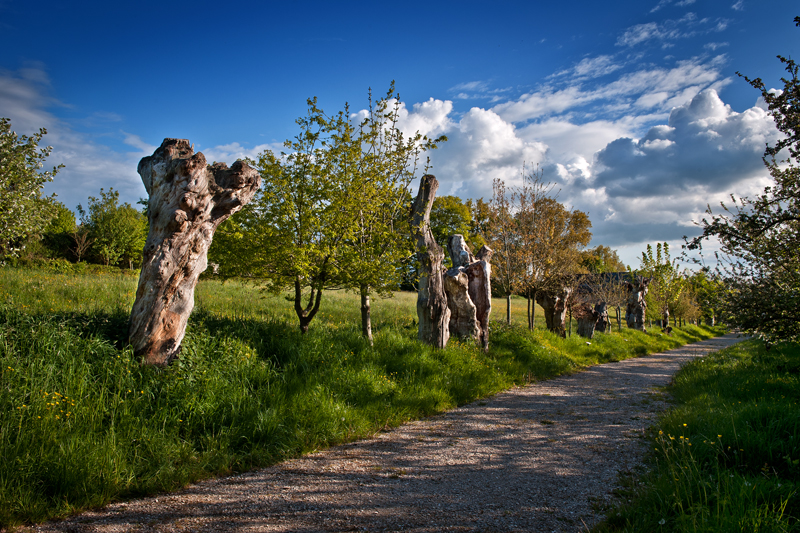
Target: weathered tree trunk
(468,288)
(508,308)
(533,310)
(587,320)
(602,317)
(555,310)
(366,318)
(480,291)
(635,312)
(432,309)
(188,200)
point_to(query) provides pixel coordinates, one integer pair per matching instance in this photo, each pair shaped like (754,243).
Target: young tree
(759,259)
(667,281)
(118,231)
(57,235)
(504,239)
(377,162)
(25,211)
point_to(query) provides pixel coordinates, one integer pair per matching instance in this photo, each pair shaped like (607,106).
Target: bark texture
(554,305)
(636,310)
(188,199)
(588,318)
(602,318)
(469,292)
(432,309)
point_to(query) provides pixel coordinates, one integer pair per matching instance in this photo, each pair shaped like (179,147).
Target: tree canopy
(25,211)
(759,256)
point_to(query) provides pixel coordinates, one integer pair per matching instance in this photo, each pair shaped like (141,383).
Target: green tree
(450,215)
(25,211)
(601,259)
(505,239)
(293,232)
(57,235)
(759,257)
(377,163)
(667,281)
(118,231)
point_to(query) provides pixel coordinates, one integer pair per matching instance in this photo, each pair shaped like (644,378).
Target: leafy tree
(57,235)
(601,259)
(118,231)
(449,216)
(504,238)
(480,226)
(25,211)
(377,163)
(759,258)
(667,281)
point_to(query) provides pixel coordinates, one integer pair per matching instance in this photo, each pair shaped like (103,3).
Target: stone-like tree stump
(635,311)
(469,293)
(188,200)
(432,308)
(554,305)
(602,319)
(587,320)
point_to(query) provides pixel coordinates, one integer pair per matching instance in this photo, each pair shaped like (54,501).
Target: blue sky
(632,107)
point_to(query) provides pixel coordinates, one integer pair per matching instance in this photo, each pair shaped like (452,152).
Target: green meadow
(83,424)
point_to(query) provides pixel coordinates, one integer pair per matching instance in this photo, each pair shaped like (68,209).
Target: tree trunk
(366,320)
(188,199)
(432,309)
(533,310)
(508,308)
(306,314)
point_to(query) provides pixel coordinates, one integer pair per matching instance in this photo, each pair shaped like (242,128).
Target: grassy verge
(82,424)
(727,457)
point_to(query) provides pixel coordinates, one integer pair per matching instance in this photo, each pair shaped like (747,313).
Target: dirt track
(539,458)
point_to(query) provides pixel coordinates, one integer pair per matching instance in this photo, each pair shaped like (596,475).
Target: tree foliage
(118,231)
(759,256)
(667,281)
(25,211)
(329,213)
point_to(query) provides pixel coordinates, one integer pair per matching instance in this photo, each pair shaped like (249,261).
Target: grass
(727,456)
(83,424)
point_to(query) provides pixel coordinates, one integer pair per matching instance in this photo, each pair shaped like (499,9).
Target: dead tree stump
(188,200)
(636,310)
(469,293)
(602,319)
(432,309)
(554,305)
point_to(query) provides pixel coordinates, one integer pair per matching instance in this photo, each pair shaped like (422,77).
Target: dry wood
(432,309)
(635,312)
(188,200)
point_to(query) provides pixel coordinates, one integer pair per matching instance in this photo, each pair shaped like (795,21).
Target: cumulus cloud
(704,144)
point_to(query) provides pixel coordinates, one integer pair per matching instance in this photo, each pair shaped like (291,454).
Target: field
(83,424)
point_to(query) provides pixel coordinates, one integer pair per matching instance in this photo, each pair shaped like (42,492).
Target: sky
(633,109)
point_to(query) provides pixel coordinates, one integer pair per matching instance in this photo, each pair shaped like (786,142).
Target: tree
(504,239)
(57,235)
(378,163)
(601,259)
(667,282)
(759,257)
(450,216)
(25,211)
(329,211)
(118,231)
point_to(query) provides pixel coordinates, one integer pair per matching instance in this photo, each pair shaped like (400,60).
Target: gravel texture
(544,457)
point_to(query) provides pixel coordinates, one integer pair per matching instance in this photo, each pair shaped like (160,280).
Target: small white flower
(662,522)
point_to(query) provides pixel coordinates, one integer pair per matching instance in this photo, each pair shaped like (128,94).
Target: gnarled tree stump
(469,293)
(635,311)
(554,305)
(188,200)
(432,308)
(602,318)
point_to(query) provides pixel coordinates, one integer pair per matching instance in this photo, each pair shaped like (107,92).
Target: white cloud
(669,30)
(738,6)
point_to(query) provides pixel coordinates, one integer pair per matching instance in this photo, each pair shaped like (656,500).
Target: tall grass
(83,424)
(727,457)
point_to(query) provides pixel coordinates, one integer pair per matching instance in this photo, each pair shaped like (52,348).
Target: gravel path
(540,458)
